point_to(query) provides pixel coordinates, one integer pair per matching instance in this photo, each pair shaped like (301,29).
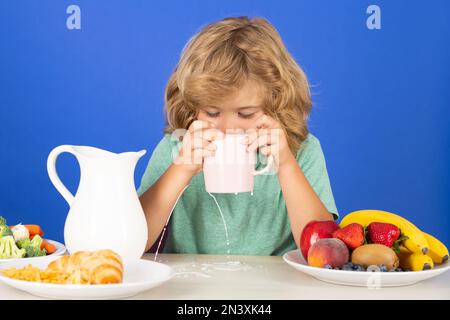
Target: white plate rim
(97,287)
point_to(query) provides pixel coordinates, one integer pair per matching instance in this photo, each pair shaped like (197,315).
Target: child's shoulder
(311,139)
(168,140)
(309,146)
(310,151)
(165,146)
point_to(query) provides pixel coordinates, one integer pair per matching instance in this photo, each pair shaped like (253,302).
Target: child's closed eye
(212,114)
(246,116)
(240,114)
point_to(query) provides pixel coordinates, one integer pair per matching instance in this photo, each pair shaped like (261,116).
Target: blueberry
(398,270)
(383,268)
(347,268)
(348,264)
(327,266)
(406,270)
(356,266)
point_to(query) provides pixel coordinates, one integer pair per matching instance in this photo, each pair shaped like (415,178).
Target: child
(236,74)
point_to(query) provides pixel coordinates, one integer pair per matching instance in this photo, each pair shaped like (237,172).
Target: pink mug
(232,168)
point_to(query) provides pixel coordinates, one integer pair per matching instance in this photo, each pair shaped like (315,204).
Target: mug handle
(270,161)
(54,178)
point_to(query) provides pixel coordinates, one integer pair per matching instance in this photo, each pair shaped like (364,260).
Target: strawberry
(352,235)
(383,233)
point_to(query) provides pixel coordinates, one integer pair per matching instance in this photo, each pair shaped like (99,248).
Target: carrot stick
(34,229)
(50,248)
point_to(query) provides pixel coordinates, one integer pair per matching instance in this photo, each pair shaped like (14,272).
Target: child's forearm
(159,199)
(303,204)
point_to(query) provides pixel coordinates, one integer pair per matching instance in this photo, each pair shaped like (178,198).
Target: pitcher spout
(141,153)
(135,155)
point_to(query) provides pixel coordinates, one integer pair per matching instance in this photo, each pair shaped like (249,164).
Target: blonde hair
(217,60)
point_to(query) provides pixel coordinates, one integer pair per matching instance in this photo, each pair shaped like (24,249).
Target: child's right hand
(198,144)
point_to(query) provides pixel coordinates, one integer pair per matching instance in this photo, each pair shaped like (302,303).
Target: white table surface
(261,278)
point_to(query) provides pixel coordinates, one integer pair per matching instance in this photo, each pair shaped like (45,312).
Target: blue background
(381,97)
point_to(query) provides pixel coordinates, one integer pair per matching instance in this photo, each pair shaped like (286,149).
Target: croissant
(96,267)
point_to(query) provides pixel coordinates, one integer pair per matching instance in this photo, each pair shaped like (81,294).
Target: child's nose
(222,127)
(226,125)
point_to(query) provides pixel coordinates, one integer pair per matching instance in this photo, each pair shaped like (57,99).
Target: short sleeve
(160,160)
(312,161)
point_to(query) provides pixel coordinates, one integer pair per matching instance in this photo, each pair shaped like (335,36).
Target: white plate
(60,249)
(139,275)
(362,279)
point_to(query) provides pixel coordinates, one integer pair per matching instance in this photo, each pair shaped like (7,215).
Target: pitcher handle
(54,178)
(270,162)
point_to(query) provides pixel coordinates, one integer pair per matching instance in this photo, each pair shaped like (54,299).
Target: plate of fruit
(25,241)
(370,248)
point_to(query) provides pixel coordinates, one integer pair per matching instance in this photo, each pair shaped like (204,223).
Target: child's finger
(262,140)
(210,146)
(200,154)
(252,135)
(203,133)
(266,121)
(200,143)
(212,134)
(266,150)
(208,153)
(262,122)
(199,125)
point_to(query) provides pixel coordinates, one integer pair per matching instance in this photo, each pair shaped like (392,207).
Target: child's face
(239,111)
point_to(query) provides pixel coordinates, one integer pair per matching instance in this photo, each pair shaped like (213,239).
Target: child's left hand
(270,139)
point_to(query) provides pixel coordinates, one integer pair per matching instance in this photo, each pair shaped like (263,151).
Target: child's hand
(270,139)
(198,144)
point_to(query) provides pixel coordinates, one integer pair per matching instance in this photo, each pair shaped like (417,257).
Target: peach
(329,251)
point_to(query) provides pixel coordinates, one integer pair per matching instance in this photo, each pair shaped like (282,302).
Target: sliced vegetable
(34,229)
(50,248)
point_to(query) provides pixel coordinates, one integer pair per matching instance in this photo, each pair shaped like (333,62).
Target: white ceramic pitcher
(105,213)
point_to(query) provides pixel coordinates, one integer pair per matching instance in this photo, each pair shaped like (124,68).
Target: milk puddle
(226,266)
(208,268)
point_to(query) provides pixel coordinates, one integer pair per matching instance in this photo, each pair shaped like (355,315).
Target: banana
(437,250)
(414,261)
(416,241)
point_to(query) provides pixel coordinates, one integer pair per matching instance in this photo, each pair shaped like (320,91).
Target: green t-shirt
(257,224)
